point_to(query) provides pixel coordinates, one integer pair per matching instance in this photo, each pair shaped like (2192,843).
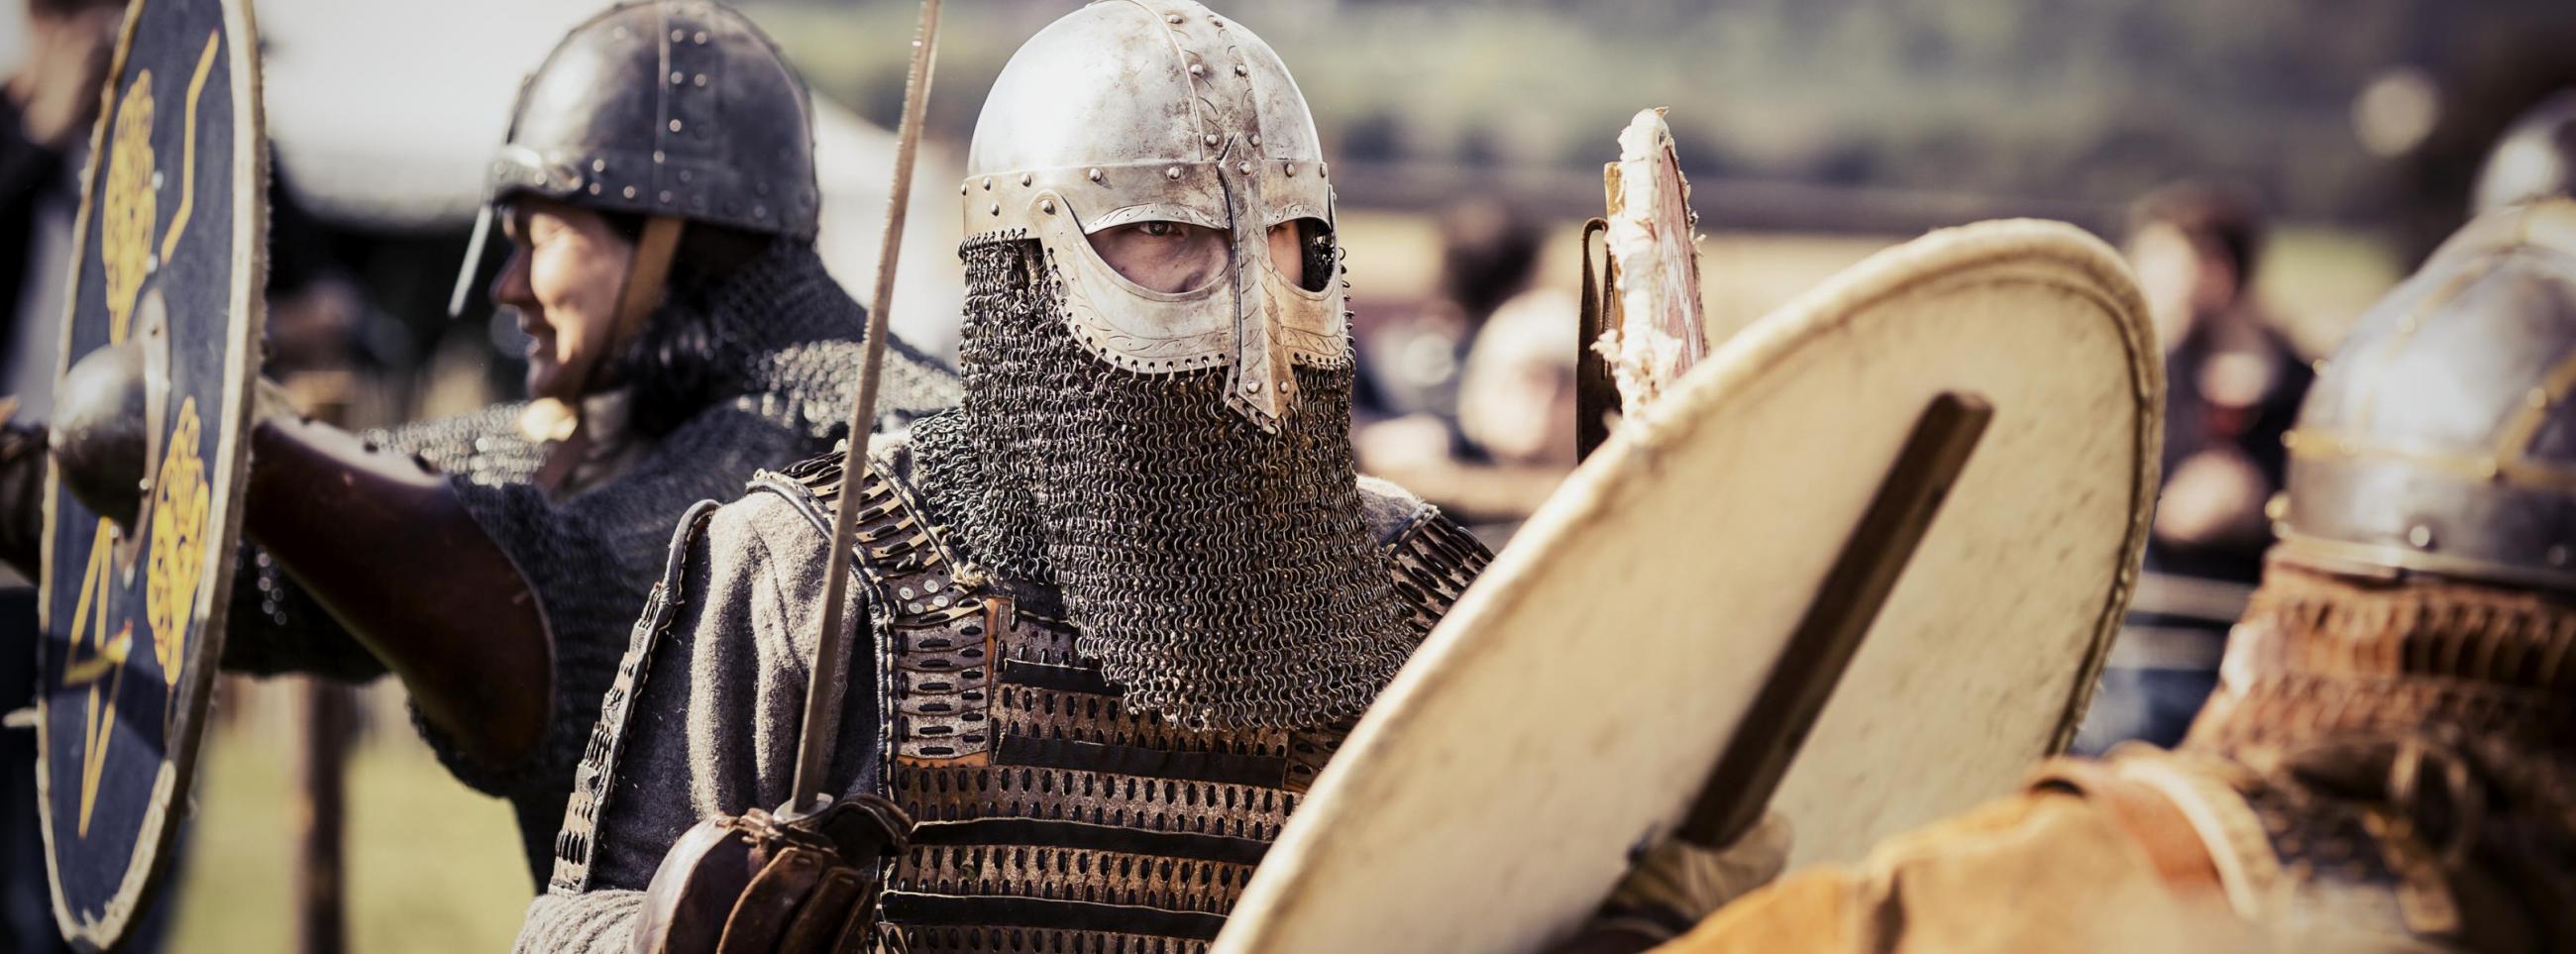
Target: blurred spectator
(2232,382)
(1513,439)
(45,118)
(1412,365)
(2232,388)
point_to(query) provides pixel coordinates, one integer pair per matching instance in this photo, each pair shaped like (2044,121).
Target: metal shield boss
(171,252)
(1571,706)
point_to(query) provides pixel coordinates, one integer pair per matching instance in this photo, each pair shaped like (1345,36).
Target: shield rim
(230,466)
(1936,257)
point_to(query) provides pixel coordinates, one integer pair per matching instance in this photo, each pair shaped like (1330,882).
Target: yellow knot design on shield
(179,502)
(130,205)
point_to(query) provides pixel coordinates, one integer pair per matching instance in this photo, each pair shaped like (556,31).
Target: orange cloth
(2040,871)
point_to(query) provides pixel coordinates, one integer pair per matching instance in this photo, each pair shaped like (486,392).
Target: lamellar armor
(1050,813)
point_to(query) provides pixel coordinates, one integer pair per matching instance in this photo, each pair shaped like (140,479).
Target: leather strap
(2150,819)
(646,274)
(1596,395)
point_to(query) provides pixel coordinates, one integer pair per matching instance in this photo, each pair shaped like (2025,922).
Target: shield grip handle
(1775,726)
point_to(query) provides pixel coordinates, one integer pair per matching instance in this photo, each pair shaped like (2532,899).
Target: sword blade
(824,684)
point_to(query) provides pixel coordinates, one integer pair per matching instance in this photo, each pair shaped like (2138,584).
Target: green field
(432,865)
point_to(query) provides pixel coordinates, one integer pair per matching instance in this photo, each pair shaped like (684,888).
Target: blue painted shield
(171,257)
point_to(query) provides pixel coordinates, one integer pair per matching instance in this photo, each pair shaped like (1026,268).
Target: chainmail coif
(1222,576)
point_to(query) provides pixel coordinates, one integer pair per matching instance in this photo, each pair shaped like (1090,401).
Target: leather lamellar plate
(1049,816)
(2312,854)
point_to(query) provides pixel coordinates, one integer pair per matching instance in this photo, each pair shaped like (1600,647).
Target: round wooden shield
(1570,707)
(171,257)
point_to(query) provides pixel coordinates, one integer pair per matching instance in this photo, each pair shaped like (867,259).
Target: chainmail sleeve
(590,560)
(277,627)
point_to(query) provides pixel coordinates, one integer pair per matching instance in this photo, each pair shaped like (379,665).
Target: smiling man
(657,190)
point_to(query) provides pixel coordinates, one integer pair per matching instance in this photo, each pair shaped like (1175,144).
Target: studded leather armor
(1050,817)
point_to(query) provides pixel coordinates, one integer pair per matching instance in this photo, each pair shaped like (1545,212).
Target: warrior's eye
(1160,229)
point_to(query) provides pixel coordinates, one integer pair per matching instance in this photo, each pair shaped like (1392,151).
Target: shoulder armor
(1432,558)
(933,629)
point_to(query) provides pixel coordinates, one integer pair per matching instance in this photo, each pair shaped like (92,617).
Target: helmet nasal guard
(1131,111)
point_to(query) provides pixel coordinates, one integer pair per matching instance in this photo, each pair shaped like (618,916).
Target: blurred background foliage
(2045,101)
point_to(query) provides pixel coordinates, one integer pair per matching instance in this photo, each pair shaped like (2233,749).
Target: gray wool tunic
(713,728)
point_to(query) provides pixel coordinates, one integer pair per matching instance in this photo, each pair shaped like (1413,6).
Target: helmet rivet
(2421,536)
(594,188)
(1209,139)
(666,197)
(686,175)
(701,38)
(1323,171)
(1289,168)
(988,183)
(1256,139)
(675,125)
(657,156)
(678,35)
(599,165)
(961,188)
(1243,168)
(2538,398)
(701,81)
(1242,70)
(1251,387)
(1027,178)
(1172,18)
(997,208)
(2559,555)
(1173,173)
(679,78)
(630,192)
(759,211)
(1198,70)
(1096,176)
(1047,206)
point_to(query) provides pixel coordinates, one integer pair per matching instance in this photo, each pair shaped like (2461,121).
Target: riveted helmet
(1131,111)
(2441,437)
(677,109)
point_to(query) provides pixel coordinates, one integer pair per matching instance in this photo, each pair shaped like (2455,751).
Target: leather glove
(771,883)
(1675,884)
